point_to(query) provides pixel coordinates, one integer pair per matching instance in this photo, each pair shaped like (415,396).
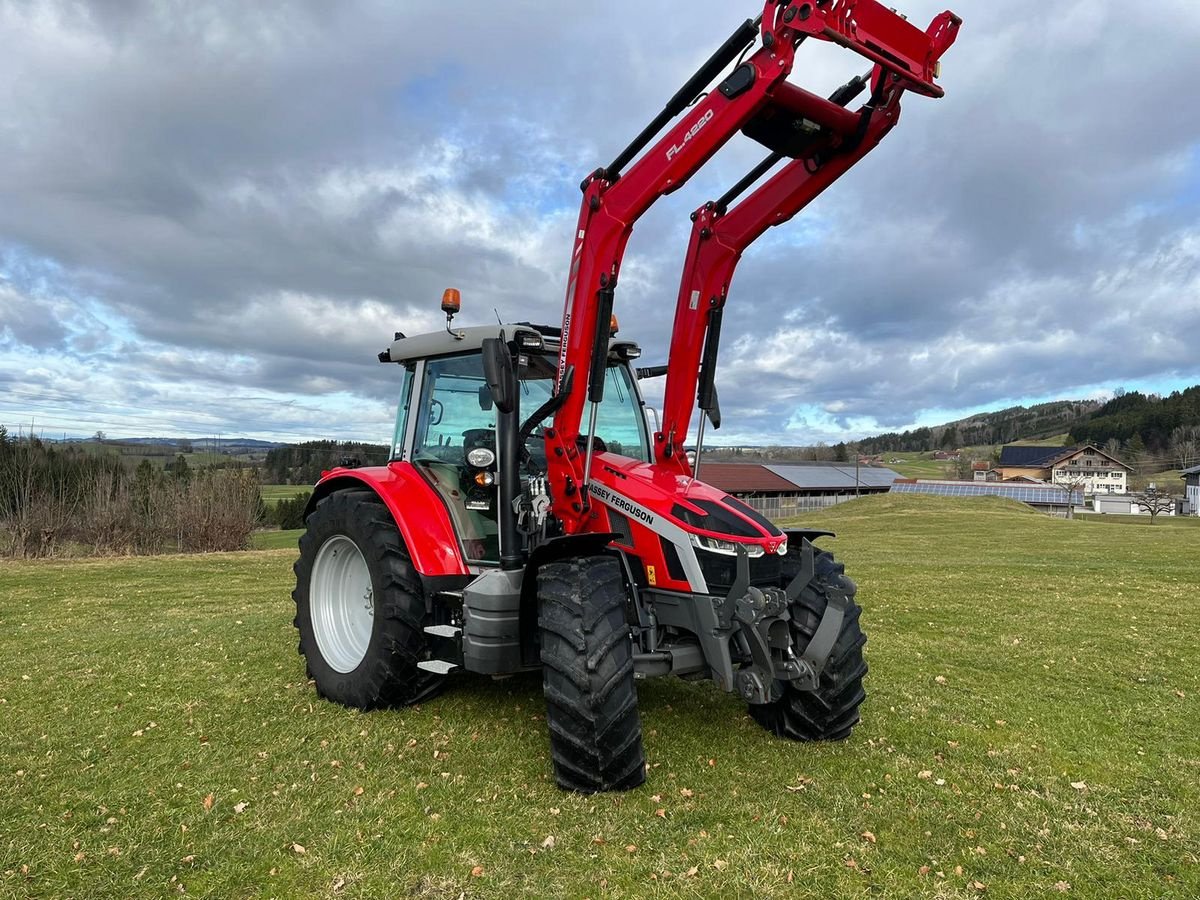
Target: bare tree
(1072,487)
(1154,502)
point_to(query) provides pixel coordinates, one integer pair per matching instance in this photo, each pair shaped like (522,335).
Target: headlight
(481,457)
(728,548)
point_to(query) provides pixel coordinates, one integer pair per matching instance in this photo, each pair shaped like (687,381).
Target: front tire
(587,676)
(831,711)
(359,606)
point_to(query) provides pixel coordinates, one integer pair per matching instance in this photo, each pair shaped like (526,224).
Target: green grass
(1031,722)
(273,493)
(918,465)
(1144,520)
(275,540)
(1055,440)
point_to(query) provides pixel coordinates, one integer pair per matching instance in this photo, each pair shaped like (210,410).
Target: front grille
(720,570)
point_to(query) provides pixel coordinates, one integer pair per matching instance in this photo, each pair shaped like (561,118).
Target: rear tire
(587,676)
(831,711)
(359,606)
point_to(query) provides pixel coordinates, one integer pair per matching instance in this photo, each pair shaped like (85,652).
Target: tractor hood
(650,493)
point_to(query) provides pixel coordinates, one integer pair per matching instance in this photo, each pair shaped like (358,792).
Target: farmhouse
(779,491)
(1098,472)
(1191,481)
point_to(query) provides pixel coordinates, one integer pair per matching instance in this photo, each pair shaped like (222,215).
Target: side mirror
(498,370)
(485,398)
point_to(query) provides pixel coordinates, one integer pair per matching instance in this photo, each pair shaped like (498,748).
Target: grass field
(1030,731)
(280,540)
(273,493)
(917,465)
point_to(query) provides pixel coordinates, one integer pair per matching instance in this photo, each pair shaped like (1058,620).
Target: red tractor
(530,518)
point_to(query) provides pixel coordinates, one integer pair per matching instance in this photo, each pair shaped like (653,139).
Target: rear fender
(419,514)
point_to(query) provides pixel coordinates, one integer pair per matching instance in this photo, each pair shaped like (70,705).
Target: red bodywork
(903,53)
(416,508)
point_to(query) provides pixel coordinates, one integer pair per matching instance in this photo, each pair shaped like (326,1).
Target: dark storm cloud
(281,186)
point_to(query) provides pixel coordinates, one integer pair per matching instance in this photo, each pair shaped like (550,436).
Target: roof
(1017,455)
(1194,470)
(736,478)
(469,339)
(753,477)
(835,476)
(1036,494)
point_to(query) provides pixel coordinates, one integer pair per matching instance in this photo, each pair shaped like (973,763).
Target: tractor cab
(447,421)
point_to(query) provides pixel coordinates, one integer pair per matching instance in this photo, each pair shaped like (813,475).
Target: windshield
(620,424)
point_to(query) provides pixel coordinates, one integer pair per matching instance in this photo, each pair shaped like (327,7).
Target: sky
(213,215)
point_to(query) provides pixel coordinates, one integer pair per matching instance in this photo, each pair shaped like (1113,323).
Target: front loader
(530,519)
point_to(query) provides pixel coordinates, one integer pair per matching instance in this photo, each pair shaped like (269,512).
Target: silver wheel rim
(342,603)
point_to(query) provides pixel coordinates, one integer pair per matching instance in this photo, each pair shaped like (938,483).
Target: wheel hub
(342,602)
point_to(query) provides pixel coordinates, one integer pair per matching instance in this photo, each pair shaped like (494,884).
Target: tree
(180,468)
(1154,502)
(185,446)
(1072,486)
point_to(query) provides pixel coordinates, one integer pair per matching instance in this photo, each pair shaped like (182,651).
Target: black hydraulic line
(851,89)
(507,427)
(547,409)
(706,394)
(737,42)
(604,304)
(752,176)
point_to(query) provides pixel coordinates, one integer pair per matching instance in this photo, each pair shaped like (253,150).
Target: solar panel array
(1024,493)
(837,477)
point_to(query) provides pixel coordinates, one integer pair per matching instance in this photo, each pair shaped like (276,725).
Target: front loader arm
(614,200)
(721,234)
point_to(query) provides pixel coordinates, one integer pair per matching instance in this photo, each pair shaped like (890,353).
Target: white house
(1191,481)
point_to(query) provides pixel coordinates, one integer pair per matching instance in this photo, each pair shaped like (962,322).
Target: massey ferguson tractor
(531,517)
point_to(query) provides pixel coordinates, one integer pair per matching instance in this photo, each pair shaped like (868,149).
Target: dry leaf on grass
(298,849)
(868,837)
(208,802)
(477,872)
(548,843)
(1062,886)
(720,865)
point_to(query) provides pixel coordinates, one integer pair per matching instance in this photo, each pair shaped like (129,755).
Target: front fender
(419,513)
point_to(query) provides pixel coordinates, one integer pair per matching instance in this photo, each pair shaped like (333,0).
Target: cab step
(443,631)
(437,666)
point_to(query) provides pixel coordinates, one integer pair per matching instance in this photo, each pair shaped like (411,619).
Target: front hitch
(764,617)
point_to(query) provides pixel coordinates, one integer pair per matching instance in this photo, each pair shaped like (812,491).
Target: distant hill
(1158,424)
(1042,420)
(230,444)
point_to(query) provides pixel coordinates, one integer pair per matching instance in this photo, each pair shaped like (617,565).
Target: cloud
(203,203)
